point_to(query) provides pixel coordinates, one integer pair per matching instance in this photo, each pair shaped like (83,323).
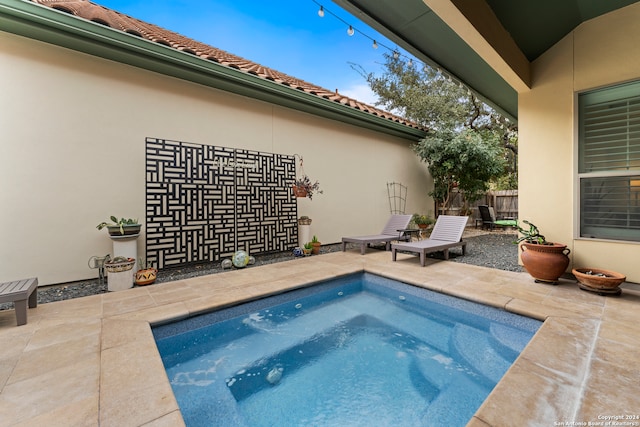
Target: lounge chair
(489,218)
(394,230)
(446,234)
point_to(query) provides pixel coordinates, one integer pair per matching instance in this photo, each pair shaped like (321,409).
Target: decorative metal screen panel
(205,202)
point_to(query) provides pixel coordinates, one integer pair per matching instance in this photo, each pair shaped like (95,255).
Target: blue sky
(286,35)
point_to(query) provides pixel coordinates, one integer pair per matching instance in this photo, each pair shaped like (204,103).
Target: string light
(396,54)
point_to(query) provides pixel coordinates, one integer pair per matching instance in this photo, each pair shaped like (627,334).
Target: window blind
(609,162)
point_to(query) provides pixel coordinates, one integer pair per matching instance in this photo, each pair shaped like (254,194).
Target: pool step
(456,404)
(475,348)
(509,341)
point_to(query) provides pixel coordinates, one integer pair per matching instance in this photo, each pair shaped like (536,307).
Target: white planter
(304,233)
(120,275)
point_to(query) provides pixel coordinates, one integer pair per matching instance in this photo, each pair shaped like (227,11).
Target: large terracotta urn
(545,263)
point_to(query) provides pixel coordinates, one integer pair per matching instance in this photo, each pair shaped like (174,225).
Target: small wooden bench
(18,292)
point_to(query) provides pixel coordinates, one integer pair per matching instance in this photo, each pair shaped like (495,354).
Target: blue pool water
(360,350)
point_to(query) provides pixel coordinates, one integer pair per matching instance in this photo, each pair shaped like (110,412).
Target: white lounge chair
(446,234)
(394,230)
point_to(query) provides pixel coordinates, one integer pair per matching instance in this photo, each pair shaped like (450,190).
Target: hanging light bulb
(321,12)
(396,54)
(350,31)
(425,68)
(410,64)
(375,45)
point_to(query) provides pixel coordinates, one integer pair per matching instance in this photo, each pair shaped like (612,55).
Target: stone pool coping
(92,361)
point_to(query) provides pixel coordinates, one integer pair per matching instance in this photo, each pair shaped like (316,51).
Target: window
(609,162)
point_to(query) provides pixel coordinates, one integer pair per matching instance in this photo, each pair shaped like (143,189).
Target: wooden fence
(504,202)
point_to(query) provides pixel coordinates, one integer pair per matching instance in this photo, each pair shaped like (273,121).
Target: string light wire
(322,11)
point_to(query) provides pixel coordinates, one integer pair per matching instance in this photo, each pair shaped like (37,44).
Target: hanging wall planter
(303,186)
(299,191)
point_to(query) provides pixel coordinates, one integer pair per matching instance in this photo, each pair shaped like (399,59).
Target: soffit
(486,44)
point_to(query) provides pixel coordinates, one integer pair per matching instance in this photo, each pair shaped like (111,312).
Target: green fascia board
(45,24)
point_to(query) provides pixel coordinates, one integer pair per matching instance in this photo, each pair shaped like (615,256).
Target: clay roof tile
(122,22)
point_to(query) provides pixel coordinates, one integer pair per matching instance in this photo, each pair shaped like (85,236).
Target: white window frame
(632,173)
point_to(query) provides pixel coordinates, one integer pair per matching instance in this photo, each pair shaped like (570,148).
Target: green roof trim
(42,23)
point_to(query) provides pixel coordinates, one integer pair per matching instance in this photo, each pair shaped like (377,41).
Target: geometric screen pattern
(205,202)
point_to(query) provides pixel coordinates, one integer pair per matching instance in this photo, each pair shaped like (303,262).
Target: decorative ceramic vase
(146,276)
(240,259)
(545,263)
(304,221)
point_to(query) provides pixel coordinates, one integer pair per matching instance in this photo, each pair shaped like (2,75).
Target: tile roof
(119,21)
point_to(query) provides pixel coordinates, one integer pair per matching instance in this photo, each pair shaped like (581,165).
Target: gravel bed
(494,250)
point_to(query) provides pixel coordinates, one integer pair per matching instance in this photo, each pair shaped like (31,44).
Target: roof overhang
(486,44)
(34,21)
(455,46)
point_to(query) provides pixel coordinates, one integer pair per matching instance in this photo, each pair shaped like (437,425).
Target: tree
(431,99)
(463,160)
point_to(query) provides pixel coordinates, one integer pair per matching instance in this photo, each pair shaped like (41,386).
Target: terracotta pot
(316,248)
(299,191)
(599,279)
(545,263)
(146,276)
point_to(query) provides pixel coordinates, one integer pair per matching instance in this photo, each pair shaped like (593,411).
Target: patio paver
(92,361)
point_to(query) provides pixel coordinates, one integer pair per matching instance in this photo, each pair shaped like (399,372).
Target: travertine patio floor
(92,361)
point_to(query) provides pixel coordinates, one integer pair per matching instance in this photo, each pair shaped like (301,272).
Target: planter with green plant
(544,261)
(303,187)
(315,245)
(308,247)
(120,227)
(422,221)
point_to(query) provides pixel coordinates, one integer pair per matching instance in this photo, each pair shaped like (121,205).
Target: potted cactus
(315,245)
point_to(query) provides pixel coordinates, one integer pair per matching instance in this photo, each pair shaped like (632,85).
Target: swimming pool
(358,350)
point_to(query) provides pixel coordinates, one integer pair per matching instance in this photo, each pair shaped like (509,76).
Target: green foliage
(315,239)
(422,219)
(117,222)
(464,160)
(530,235)
(308,246)
(428,97)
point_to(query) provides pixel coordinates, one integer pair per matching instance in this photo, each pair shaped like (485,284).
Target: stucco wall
(73,128)
(600,52)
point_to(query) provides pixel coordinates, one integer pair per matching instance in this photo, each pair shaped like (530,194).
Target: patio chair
(446,234)
(396,229)
(489,218)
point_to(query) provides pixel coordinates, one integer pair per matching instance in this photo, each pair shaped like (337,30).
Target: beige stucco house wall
(601,52)
(73,130)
